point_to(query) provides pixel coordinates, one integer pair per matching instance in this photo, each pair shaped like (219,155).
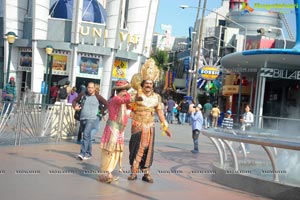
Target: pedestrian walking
(88,117)
(197,122)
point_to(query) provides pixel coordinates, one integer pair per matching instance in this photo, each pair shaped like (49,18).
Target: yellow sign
(60,62)
(119,70)
(209,72)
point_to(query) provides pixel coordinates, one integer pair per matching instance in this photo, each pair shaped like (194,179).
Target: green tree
(161,59)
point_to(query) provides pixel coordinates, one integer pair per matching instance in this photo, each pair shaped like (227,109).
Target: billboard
(119,69)
(25,61)
(89,67)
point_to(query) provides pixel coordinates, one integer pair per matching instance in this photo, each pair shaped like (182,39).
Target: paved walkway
(50,171)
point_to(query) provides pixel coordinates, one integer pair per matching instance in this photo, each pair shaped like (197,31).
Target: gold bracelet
(165,124)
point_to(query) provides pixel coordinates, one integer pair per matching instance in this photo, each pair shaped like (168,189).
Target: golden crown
(149,70)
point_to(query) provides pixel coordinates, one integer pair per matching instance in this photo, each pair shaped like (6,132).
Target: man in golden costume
(145,103)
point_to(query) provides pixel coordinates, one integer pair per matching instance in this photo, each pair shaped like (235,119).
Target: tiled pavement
(50,171)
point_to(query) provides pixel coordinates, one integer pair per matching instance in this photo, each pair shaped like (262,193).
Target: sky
(170,13)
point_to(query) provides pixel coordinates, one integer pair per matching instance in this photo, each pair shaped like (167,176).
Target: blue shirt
(197,120)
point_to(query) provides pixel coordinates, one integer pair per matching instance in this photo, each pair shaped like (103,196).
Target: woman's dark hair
(119,90)
(248,106)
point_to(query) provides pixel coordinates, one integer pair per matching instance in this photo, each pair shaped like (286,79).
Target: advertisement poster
(119,69)
(89,65)
(25,61)
(59,63)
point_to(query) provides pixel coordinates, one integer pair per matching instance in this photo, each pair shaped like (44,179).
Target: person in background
(112,141)
(10,95)
(72,95)
(64,92)
(247,122)
(227,122)
(53,93)
(88,118)
(207,107)
(197,121)
(82,88)
(99,116)
(191,109)
(183,111)
(170,110)
(215,114)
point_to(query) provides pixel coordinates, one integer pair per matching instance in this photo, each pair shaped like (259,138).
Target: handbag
(77,112)
(77,115)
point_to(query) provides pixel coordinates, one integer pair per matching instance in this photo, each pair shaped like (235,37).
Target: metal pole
(8,64)
(199,64)
(192,54)
(239,99)
(46,82)
(49,62)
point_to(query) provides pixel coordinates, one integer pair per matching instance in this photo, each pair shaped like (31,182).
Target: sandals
(106,179)
(147,178)
(132,177)
(111,179)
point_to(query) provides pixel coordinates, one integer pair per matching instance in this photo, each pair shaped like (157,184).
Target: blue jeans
(170,116)
(188,118)
(182,117)
(87,126)
(96,129)
(206,120)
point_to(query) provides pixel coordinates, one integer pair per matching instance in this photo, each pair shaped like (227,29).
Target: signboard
(89,67)
(119,69)
(209,72)
(280,73)
(59,64)
(25,60)
(228,90)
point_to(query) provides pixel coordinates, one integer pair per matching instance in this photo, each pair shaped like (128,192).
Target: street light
(49,50)
(283,37)
(245,28)
(11,37)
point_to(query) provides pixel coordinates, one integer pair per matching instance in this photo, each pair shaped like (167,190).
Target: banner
(25,61)
(170,76)
(59,63)
(89,65)
(119,69)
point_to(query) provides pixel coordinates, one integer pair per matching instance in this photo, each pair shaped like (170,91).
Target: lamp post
(49,50)
(11,37)
(283,37)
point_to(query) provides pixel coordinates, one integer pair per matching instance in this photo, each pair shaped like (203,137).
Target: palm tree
(161,60)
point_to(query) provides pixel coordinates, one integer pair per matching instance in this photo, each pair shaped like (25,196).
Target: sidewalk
(50,171)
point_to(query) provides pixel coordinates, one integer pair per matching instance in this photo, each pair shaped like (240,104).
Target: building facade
(93,40)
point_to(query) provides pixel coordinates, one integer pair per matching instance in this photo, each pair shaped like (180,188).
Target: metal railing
(27,119)
(219,137)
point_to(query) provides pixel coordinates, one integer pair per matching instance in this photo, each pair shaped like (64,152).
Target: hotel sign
(280,73)
(209,72)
